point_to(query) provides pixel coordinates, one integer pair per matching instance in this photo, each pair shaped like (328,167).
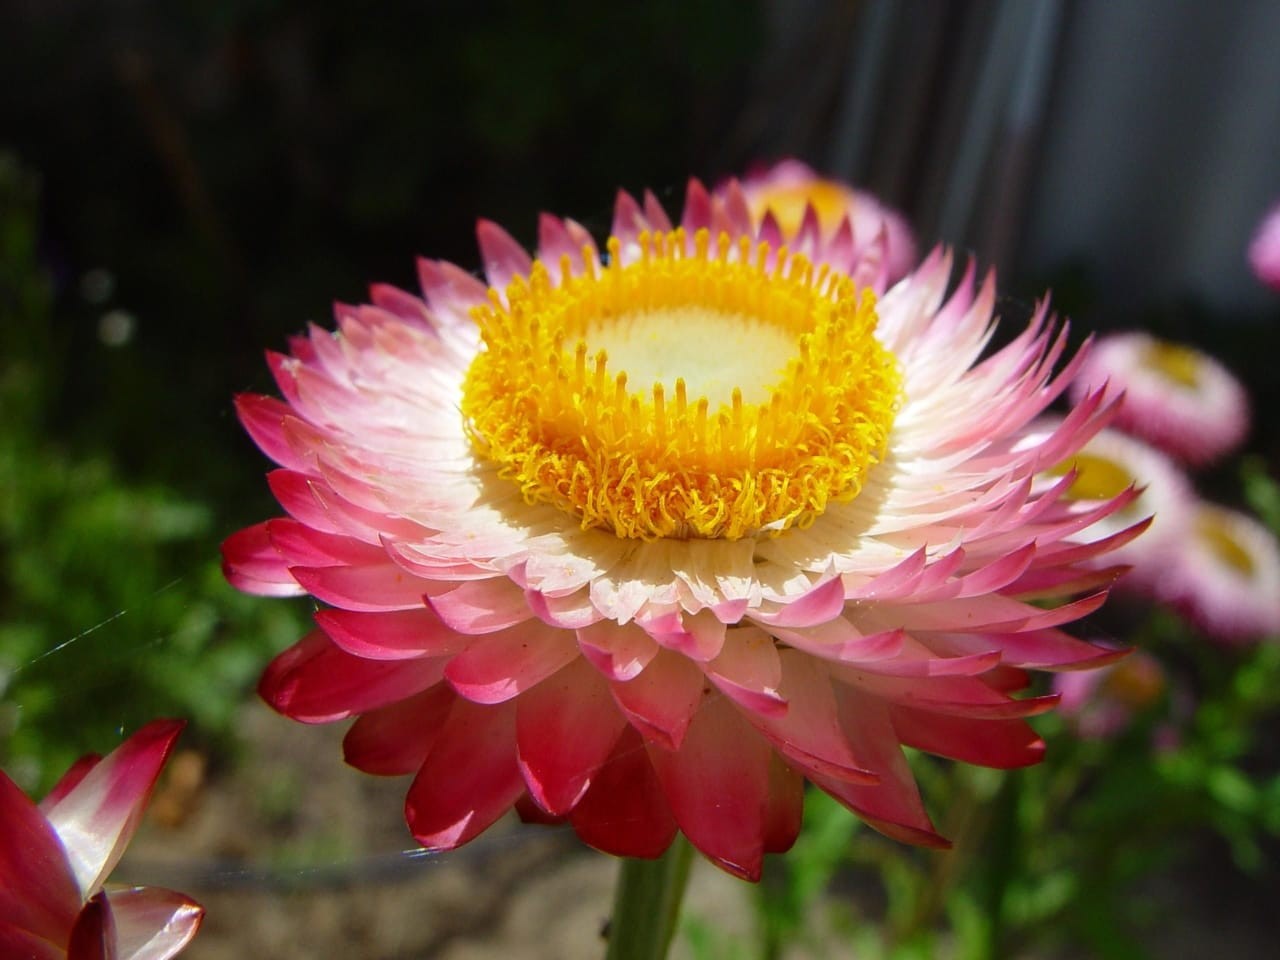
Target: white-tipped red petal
(97,817)
(54,858)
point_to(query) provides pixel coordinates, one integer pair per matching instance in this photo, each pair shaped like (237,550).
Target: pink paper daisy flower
(1264,249)
(55,857)
(791,199)
(1110,463)
(644,540)
(1099,704)
(1176,398)
(1225,576)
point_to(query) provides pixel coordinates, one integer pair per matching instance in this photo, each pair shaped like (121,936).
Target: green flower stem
(646,903)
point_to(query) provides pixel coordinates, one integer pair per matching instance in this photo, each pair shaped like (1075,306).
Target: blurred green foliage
(112,606)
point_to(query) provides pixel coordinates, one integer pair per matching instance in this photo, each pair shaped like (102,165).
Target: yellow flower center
(1224,546)
(1180,364)
(830,202)
(762,393)
(1097,478)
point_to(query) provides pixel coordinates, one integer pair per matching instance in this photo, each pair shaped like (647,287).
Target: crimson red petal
(395,739)
(470,777)
(624,811)
(566,727)
(315,681)
(38,891)
(717,785)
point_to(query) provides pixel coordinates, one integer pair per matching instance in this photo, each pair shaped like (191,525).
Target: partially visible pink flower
(55,858)
(1101,703)
(1105,467)
(1264,249)
(1225,576)
(1175,397)
(644,541)
(805,205)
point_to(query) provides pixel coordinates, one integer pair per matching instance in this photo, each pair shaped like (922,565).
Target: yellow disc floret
(688,391)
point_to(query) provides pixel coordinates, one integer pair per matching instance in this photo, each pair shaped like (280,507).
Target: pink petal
(718,785)
(1003,744)
(94,935)
(749,671)
(503,665)
(470,777)
(662,699)
(697,208)
(395,739)
(619,652)
(628,219)
(315,681)
(38,891)
(481,606)
(809,733)
(893,805)
(823,603)
(503,257)
(373,587)
(785,812)
(654,213)
(153,924)
(401,303)
(304,546)
(624,811)
(264,419)
(97,818)
(394,635)
(447,286)
(565,729)
(251,562)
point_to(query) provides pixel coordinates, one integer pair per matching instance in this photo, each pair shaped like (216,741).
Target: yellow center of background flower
(761,393)
(1097,478)
(1178,363)
(1224,546)
(830,202)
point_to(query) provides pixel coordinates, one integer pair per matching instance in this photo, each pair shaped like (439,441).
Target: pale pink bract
(56,857)
(508,657)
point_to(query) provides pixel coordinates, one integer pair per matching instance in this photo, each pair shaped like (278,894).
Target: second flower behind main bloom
(643,539)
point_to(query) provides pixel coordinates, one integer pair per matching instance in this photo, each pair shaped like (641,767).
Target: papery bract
(644,539)
(56,857)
